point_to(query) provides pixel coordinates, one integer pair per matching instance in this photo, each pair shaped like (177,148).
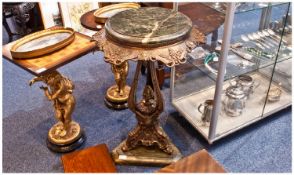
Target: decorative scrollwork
(177,55)
(99,37)
(170,56)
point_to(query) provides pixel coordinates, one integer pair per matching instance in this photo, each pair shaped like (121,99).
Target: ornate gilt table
(147,35)
(66,135)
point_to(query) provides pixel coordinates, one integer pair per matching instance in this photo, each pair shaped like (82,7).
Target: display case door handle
(199,108)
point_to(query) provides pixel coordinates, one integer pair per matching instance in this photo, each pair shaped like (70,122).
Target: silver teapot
(247,83)
(234,101)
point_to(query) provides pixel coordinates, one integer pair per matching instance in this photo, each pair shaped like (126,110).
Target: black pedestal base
(67,147)
(116,105)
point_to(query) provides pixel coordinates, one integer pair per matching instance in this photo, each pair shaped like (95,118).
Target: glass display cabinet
(244,78)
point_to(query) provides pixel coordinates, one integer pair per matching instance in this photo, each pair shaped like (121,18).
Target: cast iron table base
(147,143)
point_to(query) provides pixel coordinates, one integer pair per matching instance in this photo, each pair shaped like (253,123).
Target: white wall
(48,9)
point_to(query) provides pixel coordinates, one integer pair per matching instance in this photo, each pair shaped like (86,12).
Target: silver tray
(41,43)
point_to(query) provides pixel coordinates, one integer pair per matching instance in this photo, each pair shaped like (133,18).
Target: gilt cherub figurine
(59,90)
(120,75)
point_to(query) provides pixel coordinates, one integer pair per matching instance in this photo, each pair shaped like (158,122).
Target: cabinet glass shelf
(243,6)
(237,65)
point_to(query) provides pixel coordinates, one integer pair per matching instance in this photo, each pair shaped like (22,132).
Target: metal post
(173,69)
(268,16)
(214,38)
(172,82)
(265,17)
(222,67)
(175,6)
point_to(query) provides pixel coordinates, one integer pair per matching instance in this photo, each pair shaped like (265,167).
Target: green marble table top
(148,27)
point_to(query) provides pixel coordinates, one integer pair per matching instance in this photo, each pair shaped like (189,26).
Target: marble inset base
(145,156)
(64,148)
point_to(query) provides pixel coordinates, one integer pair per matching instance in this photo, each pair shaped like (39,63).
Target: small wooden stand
(94,159)
(199,162)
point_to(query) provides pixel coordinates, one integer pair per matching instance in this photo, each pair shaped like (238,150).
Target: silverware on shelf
(262,39)
(246,39)
(253,38)
(266,38)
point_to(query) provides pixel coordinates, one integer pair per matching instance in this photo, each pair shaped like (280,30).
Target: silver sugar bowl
(234,101)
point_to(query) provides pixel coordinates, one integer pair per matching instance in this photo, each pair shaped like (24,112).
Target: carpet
(27,116)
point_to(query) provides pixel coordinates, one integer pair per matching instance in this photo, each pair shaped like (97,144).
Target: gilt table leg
(66,135)
(147,143)
(117,95)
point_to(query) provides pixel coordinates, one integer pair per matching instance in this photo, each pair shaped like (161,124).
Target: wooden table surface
(81,45)
(88,21)
(206,19)
(199,162)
